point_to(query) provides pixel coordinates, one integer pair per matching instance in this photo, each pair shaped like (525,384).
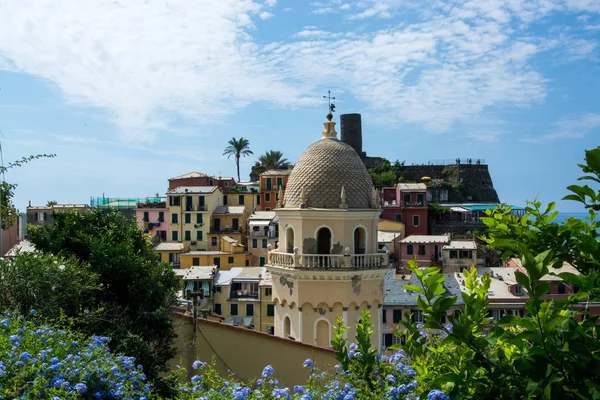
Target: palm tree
(272,159)
(238,147)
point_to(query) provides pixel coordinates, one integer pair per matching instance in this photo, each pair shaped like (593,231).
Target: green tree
(132,306)
(238,148)
(383,179)
(8,212)
(52,285)
(272,159)
(552,351)
(51,203)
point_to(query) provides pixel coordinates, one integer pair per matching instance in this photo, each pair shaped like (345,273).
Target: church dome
(323,169)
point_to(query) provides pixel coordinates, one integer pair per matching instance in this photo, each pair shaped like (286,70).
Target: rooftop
(257,215)
(193,189)
(273,172)
(222,210)
(394,293)
(224,278)
(199,273)
(412,186)
(386,237)
(169,246)
(58,206)
(424,239)
(24,246)
(502,279)
(190,175)
(232,241)
(461,245)
(209,253)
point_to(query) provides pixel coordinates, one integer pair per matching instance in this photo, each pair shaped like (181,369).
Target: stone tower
(326,264)
(351,133)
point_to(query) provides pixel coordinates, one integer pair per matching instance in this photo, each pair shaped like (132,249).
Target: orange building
(270,183)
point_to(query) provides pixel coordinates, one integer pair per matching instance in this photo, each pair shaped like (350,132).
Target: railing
(174,265)
(283,259)
(268,234)
(322,260)
(196,207)
(329,261)
(476,161)
(224,230)
(394,203)
(238,294)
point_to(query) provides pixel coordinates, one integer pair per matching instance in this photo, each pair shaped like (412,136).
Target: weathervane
(331,105)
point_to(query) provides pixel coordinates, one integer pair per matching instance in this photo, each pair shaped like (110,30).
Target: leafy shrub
(552,351)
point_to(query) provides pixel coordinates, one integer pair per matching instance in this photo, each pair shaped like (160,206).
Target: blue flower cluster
(339,385)
(41,362)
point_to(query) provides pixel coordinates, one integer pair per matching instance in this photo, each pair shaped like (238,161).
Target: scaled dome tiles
(324,167)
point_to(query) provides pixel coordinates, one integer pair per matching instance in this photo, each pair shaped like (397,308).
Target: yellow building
(327,265)
(263,230)
(250,201)
(190,209)
(389,235)
(170,252)
(243,297)
(227,221)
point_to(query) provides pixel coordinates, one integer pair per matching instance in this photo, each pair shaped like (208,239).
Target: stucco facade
(153,218)
(190,211)
(327,264)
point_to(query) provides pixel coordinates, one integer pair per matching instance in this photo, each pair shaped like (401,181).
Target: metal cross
(329,98)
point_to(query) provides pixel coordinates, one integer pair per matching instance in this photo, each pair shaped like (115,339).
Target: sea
(564,215)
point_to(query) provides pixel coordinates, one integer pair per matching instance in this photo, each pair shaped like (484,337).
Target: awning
(229,320)
(238,320)
(259,223)
(459,209)
(248,321)
(189,286)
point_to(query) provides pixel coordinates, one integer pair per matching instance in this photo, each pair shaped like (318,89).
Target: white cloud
(144,61)
(572,127)
(264,15)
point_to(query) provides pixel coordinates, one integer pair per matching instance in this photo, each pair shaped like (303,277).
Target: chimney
(351,132)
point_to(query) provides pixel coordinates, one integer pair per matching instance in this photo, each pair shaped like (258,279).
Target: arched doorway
(289,240)
(324,241)
(323,333)
(360,240)
(287,326)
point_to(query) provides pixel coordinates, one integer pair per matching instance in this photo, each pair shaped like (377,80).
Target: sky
(129,93)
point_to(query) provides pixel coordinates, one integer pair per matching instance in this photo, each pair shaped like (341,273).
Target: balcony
(197,207)
(240,294)
(397,204)
(174,264)
(263,234)
(224,229)
(329,261)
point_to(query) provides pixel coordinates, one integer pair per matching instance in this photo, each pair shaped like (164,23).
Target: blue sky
(131,93)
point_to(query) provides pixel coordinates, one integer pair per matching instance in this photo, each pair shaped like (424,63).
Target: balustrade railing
(329,261)
(283,259)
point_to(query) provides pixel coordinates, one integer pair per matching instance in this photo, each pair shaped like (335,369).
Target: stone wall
(472,183)
(245,352)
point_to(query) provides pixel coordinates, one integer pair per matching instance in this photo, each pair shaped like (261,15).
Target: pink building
(426,250)
(152,217)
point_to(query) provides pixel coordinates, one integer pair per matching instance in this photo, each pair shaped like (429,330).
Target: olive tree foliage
(553,350)
(135,290)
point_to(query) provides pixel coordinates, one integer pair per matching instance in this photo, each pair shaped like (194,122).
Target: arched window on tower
(324,241)
(360,240)
(323,333)
(289,240)
(287,326)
